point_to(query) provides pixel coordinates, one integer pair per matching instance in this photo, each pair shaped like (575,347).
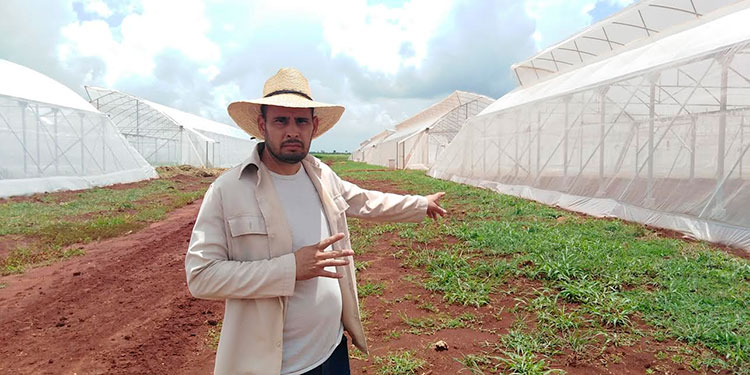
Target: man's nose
(292,132)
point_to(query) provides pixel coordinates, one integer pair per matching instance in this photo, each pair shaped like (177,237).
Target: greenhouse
(417,142)
(366,149)
(651,130)
(167,136)
(52,139)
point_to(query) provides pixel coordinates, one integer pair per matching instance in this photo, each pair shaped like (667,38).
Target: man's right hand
(311,260)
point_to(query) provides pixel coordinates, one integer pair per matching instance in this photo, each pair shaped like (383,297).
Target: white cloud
(557,20)
(130,49)
(97,7)
(384,39)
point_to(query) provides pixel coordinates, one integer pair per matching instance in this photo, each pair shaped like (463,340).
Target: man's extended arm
(379,206)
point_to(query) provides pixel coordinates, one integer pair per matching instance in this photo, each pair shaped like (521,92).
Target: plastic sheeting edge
(693,227)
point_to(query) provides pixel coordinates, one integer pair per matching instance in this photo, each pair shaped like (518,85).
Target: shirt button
(278,344)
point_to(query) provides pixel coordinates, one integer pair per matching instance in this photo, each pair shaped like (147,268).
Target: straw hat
(287,88)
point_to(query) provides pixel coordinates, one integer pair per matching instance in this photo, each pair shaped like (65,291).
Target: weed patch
(54,222)
(403,363)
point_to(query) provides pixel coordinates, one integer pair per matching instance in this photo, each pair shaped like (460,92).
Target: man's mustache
(291,142)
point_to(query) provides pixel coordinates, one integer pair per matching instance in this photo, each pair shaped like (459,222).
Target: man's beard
(291,157)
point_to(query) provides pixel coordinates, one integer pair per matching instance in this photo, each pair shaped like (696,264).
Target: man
(271,240)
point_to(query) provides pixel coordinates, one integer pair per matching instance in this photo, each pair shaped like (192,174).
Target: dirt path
(123,308)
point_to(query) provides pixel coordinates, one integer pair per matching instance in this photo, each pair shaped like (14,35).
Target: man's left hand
(433,208)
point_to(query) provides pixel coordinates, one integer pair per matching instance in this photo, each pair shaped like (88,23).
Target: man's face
(288,132)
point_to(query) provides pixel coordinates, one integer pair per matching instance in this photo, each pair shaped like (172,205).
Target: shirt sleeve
(212,275)
(379,206)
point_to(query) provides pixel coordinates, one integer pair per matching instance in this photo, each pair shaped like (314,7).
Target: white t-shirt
(312,326)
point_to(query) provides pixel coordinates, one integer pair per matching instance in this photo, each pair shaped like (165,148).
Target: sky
(383,60)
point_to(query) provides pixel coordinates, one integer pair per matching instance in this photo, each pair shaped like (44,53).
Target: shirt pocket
(340,205)
(249,238)
(339,211)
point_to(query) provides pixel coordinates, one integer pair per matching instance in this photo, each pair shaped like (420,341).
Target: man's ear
(315,126)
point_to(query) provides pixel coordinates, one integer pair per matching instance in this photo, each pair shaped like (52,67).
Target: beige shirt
(241,252)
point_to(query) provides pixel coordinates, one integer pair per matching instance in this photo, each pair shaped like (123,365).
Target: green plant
(402,363)
(371,288)
(525,363)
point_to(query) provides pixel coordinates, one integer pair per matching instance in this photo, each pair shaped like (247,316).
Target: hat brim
(245,113)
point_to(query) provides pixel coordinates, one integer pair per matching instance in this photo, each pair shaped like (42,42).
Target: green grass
(403,363)
(212,336)
(51,224)
(429,324)
(526,363)
(598,276)
(370,288)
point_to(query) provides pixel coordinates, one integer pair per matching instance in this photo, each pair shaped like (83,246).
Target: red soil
(122,308)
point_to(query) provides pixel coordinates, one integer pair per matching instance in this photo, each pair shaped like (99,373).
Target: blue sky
(383,60)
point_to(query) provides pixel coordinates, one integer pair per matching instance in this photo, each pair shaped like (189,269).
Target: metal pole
(178,152)
(742,141)
(651,119)
(580,143)
(602,118)
(531,140)
(692,147)
(538,142)
(426,149)
(82,146)
(471,160)
(499,151)
(484,151)
(137,128)
(57,146)
(637,148)
(104,144)
(566,126)
(38,144)
(23,135)
(722,133)
(517,161)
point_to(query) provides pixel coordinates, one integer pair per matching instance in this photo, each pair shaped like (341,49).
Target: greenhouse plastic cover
(52,139)
(702,38)
(638,22)
(168,136)
(657,133)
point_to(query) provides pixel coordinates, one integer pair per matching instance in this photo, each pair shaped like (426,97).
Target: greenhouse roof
(377,137)
(432,113)
(195,122)
(164,114)
(22,82)
(642,20)
(428,117)
(722,31)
